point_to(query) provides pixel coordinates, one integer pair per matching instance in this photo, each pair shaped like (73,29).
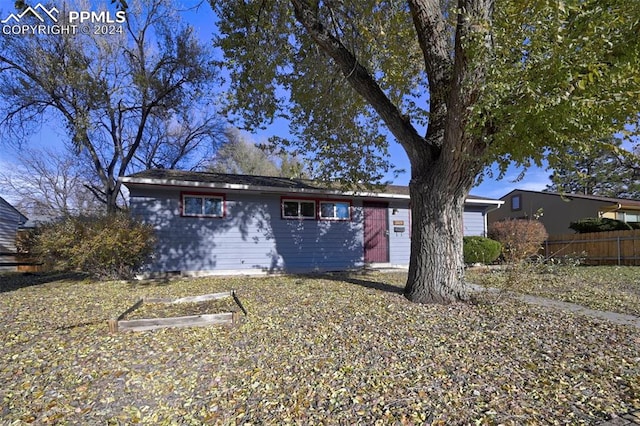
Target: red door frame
(376,232)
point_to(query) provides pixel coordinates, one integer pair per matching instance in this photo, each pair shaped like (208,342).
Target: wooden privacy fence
(597,248)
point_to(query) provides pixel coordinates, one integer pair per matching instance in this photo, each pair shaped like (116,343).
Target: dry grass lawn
(341,349)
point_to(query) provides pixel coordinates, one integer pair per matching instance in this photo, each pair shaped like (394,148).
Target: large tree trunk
(436,267)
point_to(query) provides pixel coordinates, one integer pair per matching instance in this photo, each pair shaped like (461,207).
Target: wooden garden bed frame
(229,318)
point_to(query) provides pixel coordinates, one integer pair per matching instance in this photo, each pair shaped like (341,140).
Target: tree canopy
(604,168)
(240,155)
(130,100)
(557,74)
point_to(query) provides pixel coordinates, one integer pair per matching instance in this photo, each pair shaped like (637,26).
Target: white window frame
(202,197)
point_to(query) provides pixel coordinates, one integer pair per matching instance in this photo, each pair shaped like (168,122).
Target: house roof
(167,177)
(621,202)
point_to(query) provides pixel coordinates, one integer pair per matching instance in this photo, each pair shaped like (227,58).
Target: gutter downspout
(486,215)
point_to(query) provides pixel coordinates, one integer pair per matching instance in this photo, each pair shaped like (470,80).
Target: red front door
(376,233)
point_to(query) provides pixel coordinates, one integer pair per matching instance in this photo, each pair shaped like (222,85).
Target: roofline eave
(126,180)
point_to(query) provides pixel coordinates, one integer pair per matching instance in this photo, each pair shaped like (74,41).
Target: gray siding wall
(251,236)
(10,219)
(473,221)
(399,242)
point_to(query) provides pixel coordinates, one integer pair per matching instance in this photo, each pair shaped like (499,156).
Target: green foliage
(277,71)
(480,250)
(563,75)
(107,247)
(459,85)
(239,155)
(603,168)
(558,74)
(520,238)
(599,224)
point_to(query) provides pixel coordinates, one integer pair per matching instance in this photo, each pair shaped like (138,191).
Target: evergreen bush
(599,224)
(480,250)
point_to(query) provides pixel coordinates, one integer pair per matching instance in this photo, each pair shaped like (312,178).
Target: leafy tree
(492,80)
(239,155)
(127,101)
(604,168)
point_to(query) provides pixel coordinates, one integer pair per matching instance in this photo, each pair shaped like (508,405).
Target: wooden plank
(188,321)
(157,300)
(235,298)
(113,325)
(131,309)
(611,247)
(119,324)
(189,299)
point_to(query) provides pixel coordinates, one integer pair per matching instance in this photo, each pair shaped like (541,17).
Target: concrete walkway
(613,317)
(628,419)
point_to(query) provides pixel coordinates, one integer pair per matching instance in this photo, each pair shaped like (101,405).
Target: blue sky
(203,20)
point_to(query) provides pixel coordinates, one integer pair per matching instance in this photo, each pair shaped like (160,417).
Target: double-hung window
(335,210)
(201,205)
(298,209)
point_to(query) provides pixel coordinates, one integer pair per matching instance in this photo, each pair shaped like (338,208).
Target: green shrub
(480,250)
(599,224)
(107,247)
(520,238)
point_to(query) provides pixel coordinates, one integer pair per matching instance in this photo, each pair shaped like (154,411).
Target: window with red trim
(298,209)
(202,205)
(335,210)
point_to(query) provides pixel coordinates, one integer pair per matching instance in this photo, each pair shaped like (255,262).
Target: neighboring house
(10,220)
(559,210)
(220,223)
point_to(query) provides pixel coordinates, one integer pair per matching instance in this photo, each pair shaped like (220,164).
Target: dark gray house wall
(557,211)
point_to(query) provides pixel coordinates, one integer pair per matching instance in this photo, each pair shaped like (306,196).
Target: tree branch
(434,41)
(361,80)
